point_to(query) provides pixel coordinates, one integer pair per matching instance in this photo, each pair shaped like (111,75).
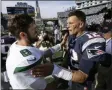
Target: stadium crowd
(77,57)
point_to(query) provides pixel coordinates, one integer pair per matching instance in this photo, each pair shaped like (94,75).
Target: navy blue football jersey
(85,52)
(6,41)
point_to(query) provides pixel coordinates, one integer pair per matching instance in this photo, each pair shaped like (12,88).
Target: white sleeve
(27,81)
(52,50)
(39,84)
(55,48)
(22,74)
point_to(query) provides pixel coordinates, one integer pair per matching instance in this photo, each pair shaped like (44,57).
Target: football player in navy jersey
(86,51)
(6,42)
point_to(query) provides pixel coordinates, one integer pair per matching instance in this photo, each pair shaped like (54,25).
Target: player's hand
(63,43)
(42,70)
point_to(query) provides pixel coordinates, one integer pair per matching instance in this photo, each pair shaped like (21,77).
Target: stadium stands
(95,18)
(94,11)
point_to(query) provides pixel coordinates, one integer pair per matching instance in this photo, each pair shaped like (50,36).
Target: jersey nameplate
(25,52)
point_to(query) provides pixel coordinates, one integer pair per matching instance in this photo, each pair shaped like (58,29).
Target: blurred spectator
(104,79)
(94,27)
(4,22)
(6,41)
(57,35)
(46,40)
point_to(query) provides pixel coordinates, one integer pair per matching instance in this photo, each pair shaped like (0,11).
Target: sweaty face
(32,34)
(73,25)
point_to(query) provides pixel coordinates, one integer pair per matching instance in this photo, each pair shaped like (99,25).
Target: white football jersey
(20,61)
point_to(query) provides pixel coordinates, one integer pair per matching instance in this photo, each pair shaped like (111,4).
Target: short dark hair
(79,14)
(20,23)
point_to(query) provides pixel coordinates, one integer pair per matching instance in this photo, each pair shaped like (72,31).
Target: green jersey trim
(25,68)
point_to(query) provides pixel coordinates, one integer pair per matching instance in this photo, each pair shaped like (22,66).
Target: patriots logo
(94,52)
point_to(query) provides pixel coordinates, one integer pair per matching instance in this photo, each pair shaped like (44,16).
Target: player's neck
(79,33)
(23,43)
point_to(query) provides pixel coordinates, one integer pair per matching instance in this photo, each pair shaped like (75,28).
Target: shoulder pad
(91,38)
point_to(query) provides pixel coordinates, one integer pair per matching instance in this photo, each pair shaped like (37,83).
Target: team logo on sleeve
(25,52)
(94,52)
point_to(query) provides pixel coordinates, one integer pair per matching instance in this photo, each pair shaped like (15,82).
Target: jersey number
(93,35)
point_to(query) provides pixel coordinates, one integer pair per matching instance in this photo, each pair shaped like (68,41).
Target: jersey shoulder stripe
(92,41)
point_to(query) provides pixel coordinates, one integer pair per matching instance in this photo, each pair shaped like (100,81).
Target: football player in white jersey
(22,56)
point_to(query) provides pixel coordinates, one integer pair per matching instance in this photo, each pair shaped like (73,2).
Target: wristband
(61,72)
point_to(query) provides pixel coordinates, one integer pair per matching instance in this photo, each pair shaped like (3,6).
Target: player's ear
(22,35)
(81,24)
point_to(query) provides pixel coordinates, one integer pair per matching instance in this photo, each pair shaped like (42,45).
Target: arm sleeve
(27,81)
(92,54)
(22,74)
(109,47)
(52,50)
